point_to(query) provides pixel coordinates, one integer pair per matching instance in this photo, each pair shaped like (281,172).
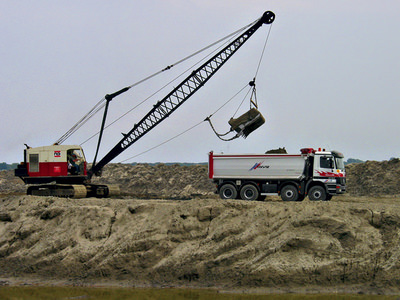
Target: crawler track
(74,191)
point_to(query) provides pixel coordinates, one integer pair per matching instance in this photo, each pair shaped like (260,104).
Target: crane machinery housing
(62,170)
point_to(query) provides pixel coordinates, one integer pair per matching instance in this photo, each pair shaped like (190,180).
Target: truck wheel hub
(289,194)
(228,193)
(249,194)
(317,194)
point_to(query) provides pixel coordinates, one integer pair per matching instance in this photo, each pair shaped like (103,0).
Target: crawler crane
(62,170)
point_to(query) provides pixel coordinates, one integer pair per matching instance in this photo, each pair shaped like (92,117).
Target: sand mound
(374,178)
(350,242)
(202,242)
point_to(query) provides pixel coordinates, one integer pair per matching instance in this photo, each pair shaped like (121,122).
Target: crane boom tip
(268,17)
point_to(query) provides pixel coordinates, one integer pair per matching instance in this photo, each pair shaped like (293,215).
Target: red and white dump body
(318,174)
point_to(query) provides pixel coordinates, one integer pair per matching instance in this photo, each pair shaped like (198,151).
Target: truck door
(324,166)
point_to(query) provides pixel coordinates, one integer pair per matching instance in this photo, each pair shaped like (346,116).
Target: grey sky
(329,77)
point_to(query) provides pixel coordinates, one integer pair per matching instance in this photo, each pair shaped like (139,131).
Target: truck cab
(328,169)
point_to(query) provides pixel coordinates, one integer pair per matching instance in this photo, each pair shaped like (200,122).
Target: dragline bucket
(247,123)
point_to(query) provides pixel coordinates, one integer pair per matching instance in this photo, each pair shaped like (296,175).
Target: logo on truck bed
(258,165)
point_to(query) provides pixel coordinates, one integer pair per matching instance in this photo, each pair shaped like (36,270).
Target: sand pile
(374,178)
(169,229)
(202,242)
(159,181)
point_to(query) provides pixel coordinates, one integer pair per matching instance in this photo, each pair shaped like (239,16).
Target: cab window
(75,162)
(33,163)
(326,162)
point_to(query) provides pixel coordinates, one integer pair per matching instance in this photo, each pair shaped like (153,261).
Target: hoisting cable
(82,121)
(192,127)
(149,97)
(262,53)
(101,103)
(133,108)
(255,122)
(246,123)
(251,120)
(166,141)
(252,85)
(170,82)
(221,135)
(253,94)
(193,54)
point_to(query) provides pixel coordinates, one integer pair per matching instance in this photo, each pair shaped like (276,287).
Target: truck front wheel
(249,192)
(228,191)
(289,193)
(317,193)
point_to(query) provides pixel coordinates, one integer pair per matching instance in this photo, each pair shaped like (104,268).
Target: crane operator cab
(75,162)
(59,163)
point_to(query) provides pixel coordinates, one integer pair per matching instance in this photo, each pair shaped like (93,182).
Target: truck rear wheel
(249,192)
(289,193)
(317,193)
(228,191)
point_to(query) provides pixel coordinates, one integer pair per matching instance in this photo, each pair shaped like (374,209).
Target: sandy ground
(349,244)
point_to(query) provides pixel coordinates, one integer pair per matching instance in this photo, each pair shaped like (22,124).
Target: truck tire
(228,191)
(249,192)
(289,193)
(317,193)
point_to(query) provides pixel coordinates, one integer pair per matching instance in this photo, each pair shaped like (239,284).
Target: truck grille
(341,180)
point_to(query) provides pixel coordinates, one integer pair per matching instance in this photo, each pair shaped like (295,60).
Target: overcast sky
(329,77)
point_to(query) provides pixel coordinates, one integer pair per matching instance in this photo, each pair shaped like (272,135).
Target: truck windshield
(339,163)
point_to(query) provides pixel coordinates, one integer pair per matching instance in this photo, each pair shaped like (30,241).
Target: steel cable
(208,118)
(97,108)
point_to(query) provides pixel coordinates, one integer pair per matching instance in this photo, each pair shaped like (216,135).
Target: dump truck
(316,173)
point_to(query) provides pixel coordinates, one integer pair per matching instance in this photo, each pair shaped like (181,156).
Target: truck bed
(256,166)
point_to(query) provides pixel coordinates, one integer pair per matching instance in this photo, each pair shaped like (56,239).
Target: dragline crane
(61,170)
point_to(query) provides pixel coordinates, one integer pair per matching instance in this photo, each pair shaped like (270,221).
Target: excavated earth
(169,229)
